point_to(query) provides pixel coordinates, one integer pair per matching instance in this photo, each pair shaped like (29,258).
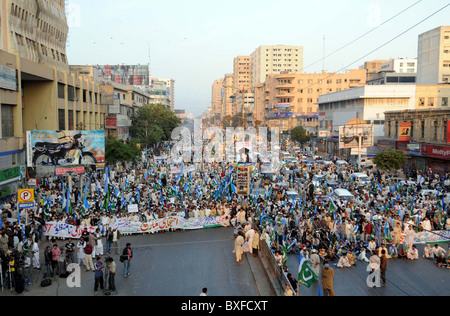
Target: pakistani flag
(332,208)
(306,274)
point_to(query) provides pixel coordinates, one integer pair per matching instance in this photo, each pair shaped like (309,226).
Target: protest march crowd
(294,209)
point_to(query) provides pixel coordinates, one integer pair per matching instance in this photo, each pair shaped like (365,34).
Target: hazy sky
(194,42)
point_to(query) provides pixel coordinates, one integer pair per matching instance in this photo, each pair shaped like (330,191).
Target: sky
(194,42)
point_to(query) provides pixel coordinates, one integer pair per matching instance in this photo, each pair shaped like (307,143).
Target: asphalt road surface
(172,264)
(404,278)
(182,263)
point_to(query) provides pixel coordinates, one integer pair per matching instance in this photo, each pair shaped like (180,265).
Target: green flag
(306,274)
(108,196)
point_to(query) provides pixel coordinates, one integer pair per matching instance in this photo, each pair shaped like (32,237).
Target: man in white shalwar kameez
(249,236)
(35,255)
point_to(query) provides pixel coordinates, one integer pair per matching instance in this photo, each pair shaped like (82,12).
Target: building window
(61,120)
(422,127)
(71,123)
(436,130)
(7,121)
(71,93)
(445,101)
(430,101)
(61,91)
(444,130)
(421,101)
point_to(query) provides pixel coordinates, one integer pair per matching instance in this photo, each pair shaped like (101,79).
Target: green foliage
(117,151)
(152,124)
(390,159)
(298,134)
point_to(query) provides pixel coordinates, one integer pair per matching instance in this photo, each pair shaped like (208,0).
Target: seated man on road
(413,253)
(344,262)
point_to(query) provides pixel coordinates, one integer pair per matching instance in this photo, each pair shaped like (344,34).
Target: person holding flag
(306,273)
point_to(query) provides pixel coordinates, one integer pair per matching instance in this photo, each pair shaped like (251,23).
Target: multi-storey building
(373,67)
(35,30)
(368,103)
(291,99)
(227,96)
(170,84)
(434,56)
(216,99)
(275,60)
(242,73)
(37,89)
(395,71)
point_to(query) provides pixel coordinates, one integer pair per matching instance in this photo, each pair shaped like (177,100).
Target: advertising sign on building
(69,171)
(448,132)
(65,148)
(435,151)
(351,135)
(8,78)
(384,144)
(111,122)
(414,149)
(404,134)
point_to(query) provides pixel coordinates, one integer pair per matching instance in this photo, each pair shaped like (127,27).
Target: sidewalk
(259,270)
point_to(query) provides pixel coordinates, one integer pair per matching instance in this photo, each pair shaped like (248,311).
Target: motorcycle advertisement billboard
(65,148)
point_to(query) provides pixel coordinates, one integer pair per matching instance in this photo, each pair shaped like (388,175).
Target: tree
(390,159)
(153,123)
(298,134)
(117,151)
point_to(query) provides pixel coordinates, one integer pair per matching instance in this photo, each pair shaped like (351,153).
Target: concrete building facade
(242,66)
(434,57)
(291,99)
(275,60)
(36,30)
(368,103)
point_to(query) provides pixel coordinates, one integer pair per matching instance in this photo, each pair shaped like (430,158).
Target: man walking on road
(383,267)
(127,255)
(327,280)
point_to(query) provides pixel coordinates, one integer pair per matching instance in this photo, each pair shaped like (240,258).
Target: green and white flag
(306,274)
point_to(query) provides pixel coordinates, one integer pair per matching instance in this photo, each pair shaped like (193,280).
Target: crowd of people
(384,215)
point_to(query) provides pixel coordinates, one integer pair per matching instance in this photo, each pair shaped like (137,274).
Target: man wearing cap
(327,280)
(315,261)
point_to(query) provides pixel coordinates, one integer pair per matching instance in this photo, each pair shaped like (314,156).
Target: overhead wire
(364,35)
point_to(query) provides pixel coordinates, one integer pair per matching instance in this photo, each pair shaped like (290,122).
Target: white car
(343,194)
(427,192)
(360,178)
(292,195)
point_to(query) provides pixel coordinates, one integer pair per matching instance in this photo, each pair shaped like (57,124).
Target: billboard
(65,148)
(8,78)
(243,181)
(350,135)
(111,122)
(404,134)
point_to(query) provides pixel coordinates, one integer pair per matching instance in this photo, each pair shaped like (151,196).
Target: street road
(172,264)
